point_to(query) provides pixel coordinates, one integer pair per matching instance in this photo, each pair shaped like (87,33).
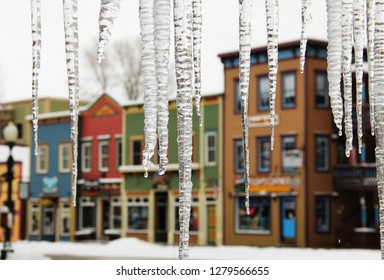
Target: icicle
(184,73)
(72,55)
(36,49)
(272,11)
(370,52)
(197,35)
(109,11)
(244,69)
(379,109)
(305,18)
(347,15)
(149,80)
(162,13)
(359,36)
(334,60)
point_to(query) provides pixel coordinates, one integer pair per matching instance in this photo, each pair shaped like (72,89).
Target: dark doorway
(161,199)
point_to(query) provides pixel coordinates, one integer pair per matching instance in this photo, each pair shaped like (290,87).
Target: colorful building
(50,203)
(292,198)
(150,205)
(100,156)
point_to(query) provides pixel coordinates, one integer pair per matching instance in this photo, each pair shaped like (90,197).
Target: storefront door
(288,219)
(161,199)
(48,222)
(211,210)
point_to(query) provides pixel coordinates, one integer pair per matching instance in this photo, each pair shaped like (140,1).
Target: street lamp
(10,135)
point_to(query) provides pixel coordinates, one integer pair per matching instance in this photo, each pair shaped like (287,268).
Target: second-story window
(237,97)
(103,156)
(136,152)
(42,159)
(64,157)
(263,154)
(263,94)
(239,157)
(86,156)
(289,89)
(321,98)
(287,143)
(210,148)
(322,153)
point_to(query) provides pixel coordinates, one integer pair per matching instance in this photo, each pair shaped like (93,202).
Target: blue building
(50,211)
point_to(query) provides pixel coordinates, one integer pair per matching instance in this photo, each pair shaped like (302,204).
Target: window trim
(39,170)
(283,104)
(207,149)
(100,155)
(258,143)
(317,105)
(61,157)
(259,108)
(84,145)
(328,155)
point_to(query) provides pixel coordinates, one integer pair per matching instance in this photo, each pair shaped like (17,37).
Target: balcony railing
(360,177)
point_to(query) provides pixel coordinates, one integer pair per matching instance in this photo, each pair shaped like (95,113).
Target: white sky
(220,34)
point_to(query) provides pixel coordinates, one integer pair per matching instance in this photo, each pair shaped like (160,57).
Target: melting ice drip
(305,18)
(36,49)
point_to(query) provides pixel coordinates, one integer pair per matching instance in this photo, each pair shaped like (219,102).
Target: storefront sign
(50,184)
(262,121)
(292,158)
(269,184)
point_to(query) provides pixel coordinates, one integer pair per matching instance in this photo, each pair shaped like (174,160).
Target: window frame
(327,155)
(259,141)
(84,145)
(284,104)
(45,169)
(238,143)
(327,214)
(102,157)
(208,149)
(62,169)
(141,202)
(326,103)
(259,79)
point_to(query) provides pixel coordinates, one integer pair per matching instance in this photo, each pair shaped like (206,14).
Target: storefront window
(259,220)
(137,214)
(116,214)
(322,214)
(34,220)
(87,213)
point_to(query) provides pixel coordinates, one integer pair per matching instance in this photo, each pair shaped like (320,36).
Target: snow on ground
(132,248)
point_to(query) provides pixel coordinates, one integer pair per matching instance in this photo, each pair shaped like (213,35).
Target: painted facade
(289,182)
(150,205)
(100,155)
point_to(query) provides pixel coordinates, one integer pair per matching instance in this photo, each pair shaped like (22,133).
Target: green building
(151,204)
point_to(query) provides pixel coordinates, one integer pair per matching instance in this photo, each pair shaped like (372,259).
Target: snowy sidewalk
(131,248)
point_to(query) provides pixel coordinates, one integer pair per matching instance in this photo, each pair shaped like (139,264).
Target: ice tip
(146,174)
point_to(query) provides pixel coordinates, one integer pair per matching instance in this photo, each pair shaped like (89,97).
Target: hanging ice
(334,60)
(359,39)
(370,55)
(305,18)
(244,69)
(109,10)
(272,11)
(162,13)
(197,35)
(149,80)
(379,109)
(36,49)
(184,73)
(347,32)
(72,57)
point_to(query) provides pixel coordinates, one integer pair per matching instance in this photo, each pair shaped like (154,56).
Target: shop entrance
(48,221)
(161,234)
(211,210)
(106,212)
(288,219)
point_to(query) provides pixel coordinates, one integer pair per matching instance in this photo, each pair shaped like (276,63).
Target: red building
(100,151)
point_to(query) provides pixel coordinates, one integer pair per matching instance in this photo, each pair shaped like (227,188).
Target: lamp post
(10,135)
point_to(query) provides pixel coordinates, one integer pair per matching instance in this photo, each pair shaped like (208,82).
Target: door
(48,222)
(211,210)
(105,216)
(288,219)
(161,205)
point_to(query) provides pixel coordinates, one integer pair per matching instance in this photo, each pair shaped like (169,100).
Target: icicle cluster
(72,57)
(36,49)
(244,72)
(305,18)
(272,12)
(109,11)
